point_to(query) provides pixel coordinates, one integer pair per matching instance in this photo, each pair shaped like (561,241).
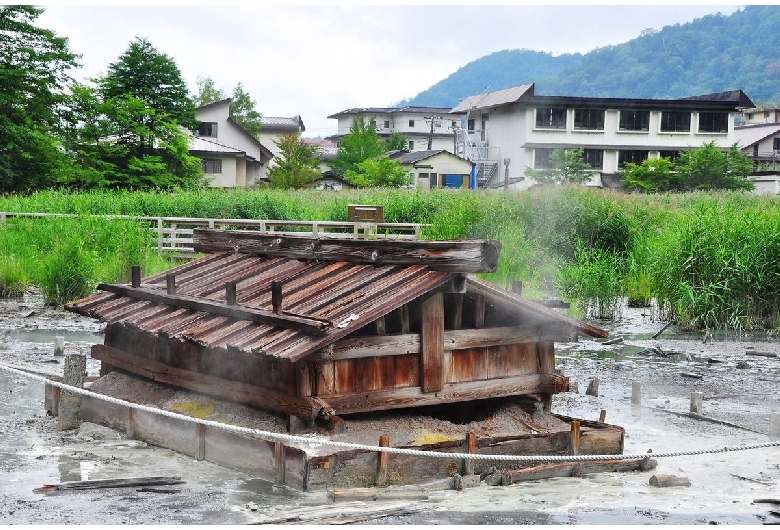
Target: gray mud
(740,392)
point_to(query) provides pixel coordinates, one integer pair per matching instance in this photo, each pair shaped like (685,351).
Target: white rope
(316,441)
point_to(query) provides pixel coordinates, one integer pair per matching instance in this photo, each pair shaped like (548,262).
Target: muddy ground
(740,393)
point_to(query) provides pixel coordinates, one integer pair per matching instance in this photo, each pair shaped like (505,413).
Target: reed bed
(710,260)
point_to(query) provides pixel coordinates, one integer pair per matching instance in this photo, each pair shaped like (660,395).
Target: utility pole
(433,119)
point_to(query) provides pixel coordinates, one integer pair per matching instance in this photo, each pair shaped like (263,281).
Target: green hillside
(714,53)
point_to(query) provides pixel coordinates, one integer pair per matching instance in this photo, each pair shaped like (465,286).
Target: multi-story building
(758,116)
(514,129)
(427,128)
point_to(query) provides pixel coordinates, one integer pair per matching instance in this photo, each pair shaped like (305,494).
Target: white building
(421,125)
(510,130)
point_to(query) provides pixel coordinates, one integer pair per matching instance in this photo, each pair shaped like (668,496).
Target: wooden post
(593,387)
(404,310)
(381,326)
(696,402)
(774,425)
(602,416)
(545,352)
(471,448)
(457,313)
(381,467)
(68,412)
(432,343)
(279,479)
(636,393)
(479,311)
(130,423)
(575,437)
(135,276)
(170,283)
(517,287)
(276,297)
(200,435)
(230,293)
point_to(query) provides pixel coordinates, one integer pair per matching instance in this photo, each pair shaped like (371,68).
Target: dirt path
(740,391)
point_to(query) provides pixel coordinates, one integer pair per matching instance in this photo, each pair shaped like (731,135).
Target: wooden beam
(451,393)
(305,408)
(238,312)
(431,343)
(451,255)
(568,469)
(389,345)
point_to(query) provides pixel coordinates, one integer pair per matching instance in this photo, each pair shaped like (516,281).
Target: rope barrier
(316,441)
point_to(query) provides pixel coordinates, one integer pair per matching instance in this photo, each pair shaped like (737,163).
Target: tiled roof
(491,99)
(752,134)
(276,124)
(392,110)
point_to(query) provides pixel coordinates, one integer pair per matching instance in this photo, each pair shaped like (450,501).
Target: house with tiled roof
(436,168)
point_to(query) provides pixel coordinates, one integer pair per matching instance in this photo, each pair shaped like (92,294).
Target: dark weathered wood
(404,316)
(451,255)
(569,469)
(471,448)
(479,311)
(276,297)
(602,416)
(451,393)
(170,283)
(110,483)
(431,343)
(230,293)
(669,481)
(285,320)
(407,493)
(135,276)
(279,463)
(457,311)
(388,345)
(575,437)
(381,326)
(253,395)
(381,462)
(760,353)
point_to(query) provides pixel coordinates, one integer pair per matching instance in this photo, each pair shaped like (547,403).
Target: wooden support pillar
(381,326)
(276,297)
(545,352)
(471,448)
(279,477)
(575,437)
(230,293)
(479,311)
(381,466)
(432,343)
(404,311)
(135,276)
(457,311)
(170,283)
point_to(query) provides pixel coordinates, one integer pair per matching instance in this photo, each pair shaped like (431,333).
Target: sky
(317,60)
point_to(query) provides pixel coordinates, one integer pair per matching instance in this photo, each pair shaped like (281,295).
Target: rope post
(471,448)
(170,283)
(602,416)
(696,402)
(70,402)
(774,425)
(279,461)
(636,393)
(200,437)
(59,346)
(381,466)
(135,276)
(575,437)
(276,297)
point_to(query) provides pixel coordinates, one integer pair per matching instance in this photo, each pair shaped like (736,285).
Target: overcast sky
(316,60)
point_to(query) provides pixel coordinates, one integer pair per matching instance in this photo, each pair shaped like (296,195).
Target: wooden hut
(314,328)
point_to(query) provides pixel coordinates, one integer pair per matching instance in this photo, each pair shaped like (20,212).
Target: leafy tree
(651,175)
(152,77)
(379,172)
(207,92)
(362,143)
(242,111)
(397,142)
(297,163)
(566,165)
(710,168)
(33,66)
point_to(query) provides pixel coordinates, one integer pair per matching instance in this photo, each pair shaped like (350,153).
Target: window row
(595,157)
(631,120)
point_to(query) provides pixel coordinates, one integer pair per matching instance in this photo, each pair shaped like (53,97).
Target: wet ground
(740,392)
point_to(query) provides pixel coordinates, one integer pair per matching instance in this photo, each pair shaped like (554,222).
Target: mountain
(712,54)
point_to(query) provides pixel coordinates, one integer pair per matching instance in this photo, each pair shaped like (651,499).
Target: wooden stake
(135,276)
(575,437)
(279,463)
(696,402)
(471,448)
(636,393)
(170,283)
(381,468)
(276,297)
(602,416)
(200,435)
(230,293)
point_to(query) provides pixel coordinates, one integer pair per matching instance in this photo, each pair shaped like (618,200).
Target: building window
(776,144)
(453,124)
(411,123)
(713,122)
(542,158)
(594,158)
(671,155)
(634,120)
(550,118)
(387,124)
(207,128)
(750,116)
(433,178)
(470,125)
(589,119)
(766,114)
(675,121)
(634,157)
(212,165)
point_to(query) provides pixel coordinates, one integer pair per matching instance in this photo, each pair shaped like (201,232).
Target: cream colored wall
(227,178)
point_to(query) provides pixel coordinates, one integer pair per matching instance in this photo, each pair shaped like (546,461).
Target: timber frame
(367,325)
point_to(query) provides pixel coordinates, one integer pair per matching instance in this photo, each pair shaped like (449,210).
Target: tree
(33,66)
(297,163)
(242,111)
(566,165)
(651,175)
(710,168)
(396,142)
(362,143)
(152,77)
(207,92)
(379,172)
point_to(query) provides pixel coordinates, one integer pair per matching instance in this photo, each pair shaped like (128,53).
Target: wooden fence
(174,234)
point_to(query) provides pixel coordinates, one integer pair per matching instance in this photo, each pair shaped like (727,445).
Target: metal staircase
(476,152)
